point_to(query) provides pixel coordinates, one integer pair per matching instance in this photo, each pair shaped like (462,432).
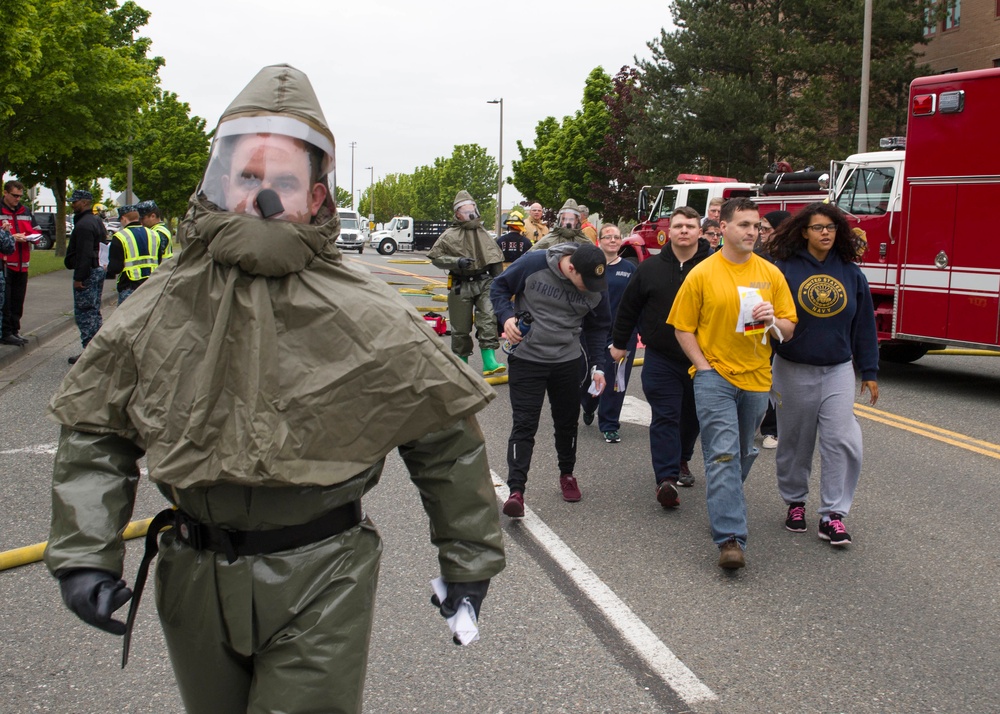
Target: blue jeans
(729,417)
(673,428)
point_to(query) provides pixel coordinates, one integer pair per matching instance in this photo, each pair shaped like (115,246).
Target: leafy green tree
(343,197)
(739,85)
(20,54)
(617,156)
(83,97)
(564,160)
(169,151)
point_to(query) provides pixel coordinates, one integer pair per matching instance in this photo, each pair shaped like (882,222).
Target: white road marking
(636,411)
(636,633)
(37,449)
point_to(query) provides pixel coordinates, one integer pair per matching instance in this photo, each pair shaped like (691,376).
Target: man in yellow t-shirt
(728,309)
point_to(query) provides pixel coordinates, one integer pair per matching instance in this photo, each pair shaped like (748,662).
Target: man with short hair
(151,217)
(723,315)
(714,209)
(239,372)
(134,253)
(647,302)
(586,226)
(83,258)
(535,228)
(18,221)
(544,301)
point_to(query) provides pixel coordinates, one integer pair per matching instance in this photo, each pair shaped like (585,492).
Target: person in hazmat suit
(241,376)
(567,230)
(472,259)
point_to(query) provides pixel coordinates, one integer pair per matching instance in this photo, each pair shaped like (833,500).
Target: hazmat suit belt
(233,543)
(470,278)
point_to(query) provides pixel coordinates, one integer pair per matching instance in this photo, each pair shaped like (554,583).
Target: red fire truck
(933,258)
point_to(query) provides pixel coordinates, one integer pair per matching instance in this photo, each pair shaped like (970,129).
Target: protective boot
(490,364)
(464,358)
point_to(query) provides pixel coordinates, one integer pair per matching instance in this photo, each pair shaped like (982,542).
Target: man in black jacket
(665,380)
(82,259)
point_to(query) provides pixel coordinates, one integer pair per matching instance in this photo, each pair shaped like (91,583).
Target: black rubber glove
(465,264)
(456,592)
(93,595)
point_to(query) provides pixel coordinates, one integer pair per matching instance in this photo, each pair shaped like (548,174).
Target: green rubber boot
(490,364)
(464,358)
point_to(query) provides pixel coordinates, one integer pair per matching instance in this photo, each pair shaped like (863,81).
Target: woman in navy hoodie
(813,382)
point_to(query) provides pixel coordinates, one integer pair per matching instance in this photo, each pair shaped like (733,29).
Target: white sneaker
(770,442)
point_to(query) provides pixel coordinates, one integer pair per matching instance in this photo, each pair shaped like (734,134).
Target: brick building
(967,38)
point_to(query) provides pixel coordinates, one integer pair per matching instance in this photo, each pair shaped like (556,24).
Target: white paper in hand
(462,624)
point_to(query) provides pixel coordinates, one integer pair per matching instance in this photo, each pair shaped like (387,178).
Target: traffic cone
(490,364)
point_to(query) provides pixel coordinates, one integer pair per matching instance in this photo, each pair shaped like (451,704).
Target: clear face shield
(467,211)
(272,167)
(569,219)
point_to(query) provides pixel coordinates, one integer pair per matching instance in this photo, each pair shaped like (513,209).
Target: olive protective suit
(563,234)
(472,259)
(262,404)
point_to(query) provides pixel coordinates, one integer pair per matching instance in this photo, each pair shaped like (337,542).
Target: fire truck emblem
(661,238)
(822,296)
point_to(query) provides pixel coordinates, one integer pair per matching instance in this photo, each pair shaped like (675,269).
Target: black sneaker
(796,519)
(834,531)
(588,418)
(13,341)
(74,358)
(612,437)
(686,478)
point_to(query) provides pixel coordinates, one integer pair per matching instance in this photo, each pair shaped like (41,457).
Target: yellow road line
(962,441)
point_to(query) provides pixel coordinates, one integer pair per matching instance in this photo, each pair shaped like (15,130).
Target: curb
(46,333)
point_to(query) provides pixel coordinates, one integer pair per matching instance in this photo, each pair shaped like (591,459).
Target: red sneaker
(514,505)
(570,489)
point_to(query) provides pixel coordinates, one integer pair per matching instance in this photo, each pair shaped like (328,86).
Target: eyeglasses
(610,237)
(712,234)
(829,228)
(14,195)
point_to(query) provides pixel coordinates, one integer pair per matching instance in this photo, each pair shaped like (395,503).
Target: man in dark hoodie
(564,291)
(88,275)
(665,379)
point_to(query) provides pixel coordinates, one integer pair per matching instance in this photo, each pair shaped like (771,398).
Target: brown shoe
(666,494)
(731,555)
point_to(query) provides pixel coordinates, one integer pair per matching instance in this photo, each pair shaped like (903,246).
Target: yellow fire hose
(33,553)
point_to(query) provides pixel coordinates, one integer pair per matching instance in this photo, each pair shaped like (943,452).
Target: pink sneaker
(570,489)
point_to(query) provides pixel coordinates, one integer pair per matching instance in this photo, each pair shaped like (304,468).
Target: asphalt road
(898,622)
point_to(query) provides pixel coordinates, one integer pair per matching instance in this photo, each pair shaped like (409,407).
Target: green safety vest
(164,233)
(140,259)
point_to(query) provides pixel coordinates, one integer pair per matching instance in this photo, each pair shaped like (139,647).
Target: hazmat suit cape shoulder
(562,235)
(467,240)
(258,357)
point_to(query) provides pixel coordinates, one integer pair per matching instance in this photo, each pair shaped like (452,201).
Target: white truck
(404,233)
(351,236)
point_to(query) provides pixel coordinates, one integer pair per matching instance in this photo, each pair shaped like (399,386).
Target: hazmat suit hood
(467,239)
(256,356)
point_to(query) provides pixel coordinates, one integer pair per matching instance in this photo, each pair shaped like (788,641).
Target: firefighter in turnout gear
(227,370)
(472,260)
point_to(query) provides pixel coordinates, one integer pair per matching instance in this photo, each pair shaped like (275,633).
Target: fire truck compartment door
(949,276)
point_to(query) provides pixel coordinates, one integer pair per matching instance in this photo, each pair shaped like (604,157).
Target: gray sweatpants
(813,399)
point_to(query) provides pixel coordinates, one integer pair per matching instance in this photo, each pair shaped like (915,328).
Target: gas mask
(273,167)
(569,219)
(467,212)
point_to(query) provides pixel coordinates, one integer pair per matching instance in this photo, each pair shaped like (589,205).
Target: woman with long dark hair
(813,382)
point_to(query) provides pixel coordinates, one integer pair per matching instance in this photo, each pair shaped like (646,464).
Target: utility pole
(866,61)
(371,198)
(353,144)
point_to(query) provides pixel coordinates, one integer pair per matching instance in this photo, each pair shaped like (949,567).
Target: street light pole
(500,174)
(353,144)
(371,196)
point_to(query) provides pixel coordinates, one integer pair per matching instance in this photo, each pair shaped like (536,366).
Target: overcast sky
(405,80)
